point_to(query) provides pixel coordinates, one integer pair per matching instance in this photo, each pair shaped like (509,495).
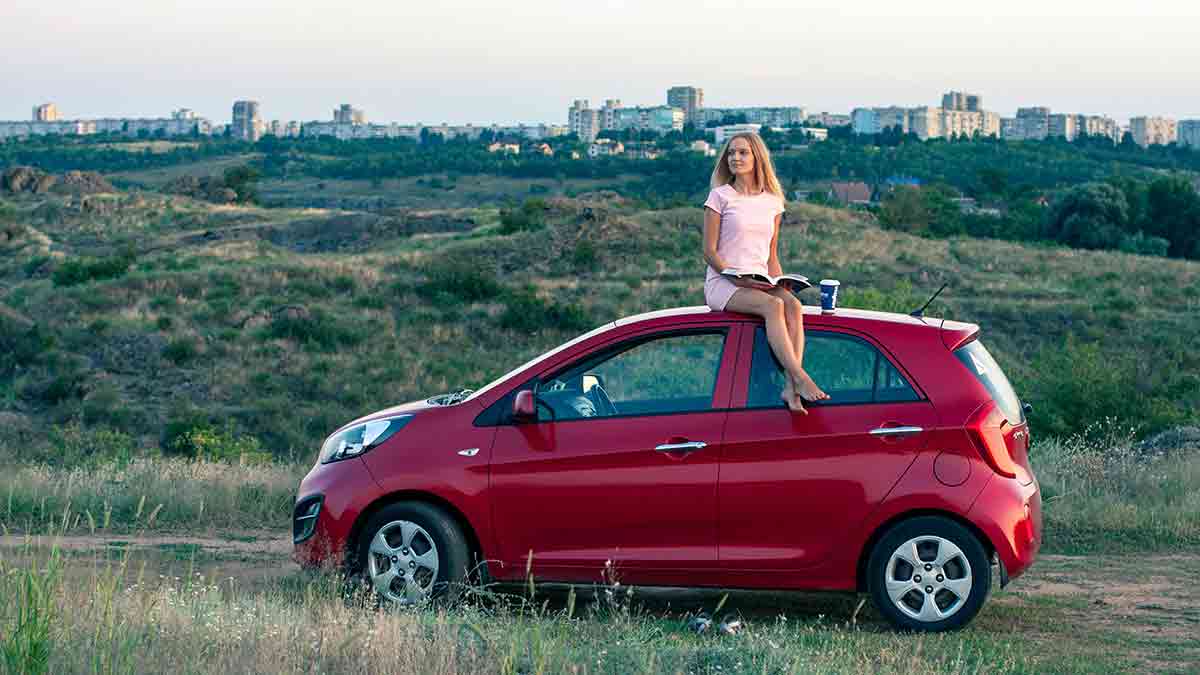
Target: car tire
(943,589)
(413,552)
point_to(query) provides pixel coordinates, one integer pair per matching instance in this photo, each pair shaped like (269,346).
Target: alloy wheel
(402,562)
(928,578)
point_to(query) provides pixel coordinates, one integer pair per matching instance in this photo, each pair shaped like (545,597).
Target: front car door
(622,463)
(793,486)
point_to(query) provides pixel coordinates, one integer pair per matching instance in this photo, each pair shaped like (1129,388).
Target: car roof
(844,316)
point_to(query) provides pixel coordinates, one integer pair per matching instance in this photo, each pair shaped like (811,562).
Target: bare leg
(771,309)
(794,313)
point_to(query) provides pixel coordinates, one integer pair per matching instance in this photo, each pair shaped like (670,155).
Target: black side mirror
(1028,409)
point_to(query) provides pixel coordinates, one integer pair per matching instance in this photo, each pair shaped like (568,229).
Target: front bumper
(345,490)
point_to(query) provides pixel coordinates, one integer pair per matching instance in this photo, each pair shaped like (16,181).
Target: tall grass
(119,619)
(163,493)
(1101,492)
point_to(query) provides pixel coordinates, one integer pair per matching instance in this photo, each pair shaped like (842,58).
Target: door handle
(896,431)
(690,446)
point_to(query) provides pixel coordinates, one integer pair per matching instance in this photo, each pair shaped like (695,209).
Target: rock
(1171,439)
(84,183)
(21,179)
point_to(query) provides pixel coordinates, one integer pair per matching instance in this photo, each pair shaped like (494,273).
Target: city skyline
(470,62)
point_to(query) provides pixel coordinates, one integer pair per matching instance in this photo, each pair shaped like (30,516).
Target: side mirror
(524,407)
(1028,409)
(589,380)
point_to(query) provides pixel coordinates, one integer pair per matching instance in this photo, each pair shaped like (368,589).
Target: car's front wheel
(412,552)
(929,574)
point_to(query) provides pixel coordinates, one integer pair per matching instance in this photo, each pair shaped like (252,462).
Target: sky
(526,60)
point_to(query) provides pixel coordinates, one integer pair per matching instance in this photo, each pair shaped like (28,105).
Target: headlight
(360,438)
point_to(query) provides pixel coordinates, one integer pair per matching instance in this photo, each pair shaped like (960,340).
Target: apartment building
(962,101)
(1189,133)
(770,116)
(247,122)
(720,134)
(830,120)
(688,99)
(25,129)
(583,120)
(662,119)
(876,120)
(1062,126)
(348,114)
(46,112)
(1147,131)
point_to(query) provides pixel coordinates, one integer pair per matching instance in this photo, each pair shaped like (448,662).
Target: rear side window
(981,364)
(847,368)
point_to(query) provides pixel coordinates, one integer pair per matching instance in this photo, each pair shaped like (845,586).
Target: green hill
(151,315)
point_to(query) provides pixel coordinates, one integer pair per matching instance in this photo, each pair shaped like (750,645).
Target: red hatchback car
(659,442)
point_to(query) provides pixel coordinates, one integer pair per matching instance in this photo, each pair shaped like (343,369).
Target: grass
(258,316)
(116,615)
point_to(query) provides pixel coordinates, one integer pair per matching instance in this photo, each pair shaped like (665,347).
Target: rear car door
(622,462)
(793,486)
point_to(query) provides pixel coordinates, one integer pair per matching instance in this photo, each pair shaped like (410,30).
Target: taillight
(986,430)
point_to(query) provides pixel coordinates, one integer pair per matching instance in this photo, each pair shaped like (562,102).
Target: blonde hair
(764,170)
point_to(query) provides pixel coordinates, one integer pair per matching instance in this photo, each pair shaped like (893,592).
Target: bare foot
(792,399)
(807,389)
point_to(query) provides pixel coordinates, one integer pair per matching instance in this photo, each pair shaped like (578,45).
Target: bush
(531,216)
(1077,384)
(74,445)
(527,313)
(316,329)
(460,279)
(180,351)
(207,443)
(83,270)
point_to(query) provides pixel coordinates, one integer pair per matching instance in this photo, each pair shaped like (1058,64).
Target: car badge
(469,452)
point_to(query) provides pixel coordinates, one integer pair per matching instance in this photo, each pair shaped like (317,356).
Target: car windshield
(496,382)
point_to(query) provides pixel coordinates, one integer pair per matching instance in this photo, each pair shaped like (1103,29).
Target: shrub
(1077,384)
(206,442)
(74,444)
(527,313)
(180,351)
(585,256)
(460,279)
(317,329)
(531,216)
(83,270)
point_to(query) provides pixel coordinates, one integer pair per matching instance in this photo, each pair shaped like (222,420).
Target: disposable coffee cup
(829,289)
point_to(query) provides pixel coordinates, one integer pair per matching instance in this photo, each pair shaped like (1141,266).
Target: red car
(659,442)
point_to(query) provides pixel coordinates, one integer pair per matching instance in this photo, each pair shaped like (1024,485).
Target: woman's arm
(773,266)
(712,234)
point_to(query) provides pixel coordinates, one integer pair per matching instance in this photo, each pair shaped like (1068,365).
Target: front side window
(847,368)
(672,374)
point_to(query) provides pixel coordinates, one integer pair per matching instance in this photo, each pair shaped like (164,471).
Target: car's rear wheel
(929,574)
(411,553)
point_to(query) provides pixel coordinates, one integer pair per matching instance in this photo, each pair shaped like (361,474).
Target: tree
(1173,213)
(243,180)
(1092,215)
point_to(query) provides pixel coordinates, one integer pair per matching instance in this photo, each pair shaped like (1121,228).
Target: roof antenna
(921,312)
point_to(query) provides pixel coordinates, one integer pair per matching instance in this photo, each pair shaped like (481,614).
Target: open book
(798,282)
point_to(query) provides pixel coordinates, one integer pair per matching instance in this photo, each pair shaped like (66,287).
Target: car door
(634,483)
(792,486)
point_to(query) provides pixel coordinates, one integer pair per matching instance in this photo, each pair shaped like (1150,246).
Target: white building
(1147,131)
(720,134)
(605,147)
(770,116)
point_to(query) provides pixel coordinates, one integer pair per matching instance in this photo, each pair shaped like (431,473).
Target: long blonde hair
(764,170)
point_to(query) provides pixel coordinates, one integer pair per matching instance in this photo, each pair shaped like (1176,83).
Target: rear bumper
(1010,514)
(346,488)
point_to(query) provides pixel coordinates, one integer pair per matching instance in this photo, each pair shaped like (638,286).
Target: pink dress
(747,225)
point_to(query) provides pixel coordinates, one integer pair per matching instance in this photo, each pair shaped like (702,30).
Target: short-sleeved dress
(747,225)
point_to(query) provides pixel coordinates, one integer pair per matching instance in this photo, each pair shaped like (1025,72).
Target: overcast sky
(525,60)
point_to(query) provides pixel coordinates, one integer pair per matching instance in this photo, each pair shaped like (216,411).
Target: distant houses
(854,193)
